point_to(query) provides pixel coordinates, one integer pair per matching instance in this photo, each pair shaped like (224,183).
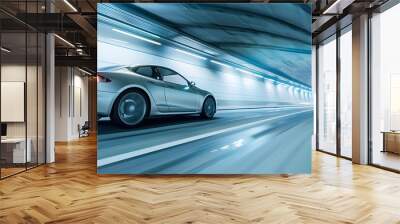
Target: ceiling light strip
(330,7)
(191,54)
(64,40)
(70,5)
(5,50)
(220,63)
(84,71)
(137,37)
(250,73)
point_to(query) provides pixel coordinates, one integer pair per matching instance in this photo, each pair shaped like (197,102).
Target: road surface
(255,141)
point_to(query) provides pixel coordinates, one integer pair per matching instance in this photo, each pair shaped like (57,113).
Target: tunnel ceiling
(273,37)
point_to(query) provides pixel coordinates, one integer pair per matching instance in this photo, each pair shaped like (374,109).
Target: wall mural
(205,88)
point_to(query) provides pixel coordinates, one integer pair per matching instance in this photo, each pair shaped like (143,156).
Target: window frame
(135,69)
(162,76)
(333,37)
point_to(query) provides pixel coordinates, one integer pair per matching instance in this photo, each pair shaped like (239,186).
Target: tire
(129,109)
(209,108)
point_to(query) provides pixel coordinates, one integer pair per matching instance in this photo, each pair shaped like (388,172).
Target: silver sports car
(130,94)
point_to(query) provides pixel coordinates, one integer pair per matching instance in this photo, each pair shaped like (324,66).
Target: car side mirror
(192,83)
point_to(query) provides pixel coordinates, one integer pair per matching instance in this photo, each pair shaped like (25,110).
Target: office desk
(391,141)
(13,150)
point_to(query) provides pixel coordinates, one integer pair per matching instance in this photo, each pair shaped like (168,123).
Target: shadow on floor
(107,126)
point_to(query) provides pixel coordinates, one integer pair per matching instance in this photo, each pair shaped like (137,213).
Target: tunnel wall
(232,89)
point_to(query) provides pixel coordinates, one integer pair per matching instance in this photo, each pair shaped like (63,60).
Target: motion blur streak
(254,148)
(252,58)
(228,72)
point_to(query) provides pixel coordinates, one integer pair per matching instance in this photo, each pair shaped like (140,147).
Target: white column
(63,102)
(314,94)
(360,90)
(50,99)
(50,92)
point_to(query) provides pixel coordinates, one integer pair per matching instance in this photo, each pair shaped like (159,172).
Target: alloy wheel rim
(132,108)
(209,107)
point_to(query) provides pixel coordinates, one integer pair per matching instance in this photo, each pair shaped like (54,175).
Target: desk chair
(84,130)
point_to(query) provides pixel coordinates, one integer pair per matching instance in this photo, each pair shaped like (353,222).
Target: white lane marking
(129,155)
(111,136)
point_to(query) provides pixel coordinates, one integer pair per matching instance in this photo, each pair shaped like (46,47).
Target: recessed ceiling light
(64,40)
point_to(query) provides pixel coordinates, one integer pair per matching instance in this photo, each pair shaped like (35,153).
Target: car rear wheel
(129,109)
(209,108)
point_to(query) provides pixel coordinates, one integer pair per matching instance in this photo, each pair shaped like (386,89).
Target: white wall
(62,82)
(16,73)
(33,126)
(80,110)
(232,88)
(70,84)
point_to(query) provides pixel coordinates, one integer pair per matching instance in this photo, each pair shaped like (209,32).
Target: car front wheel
(209,108)
(129,109)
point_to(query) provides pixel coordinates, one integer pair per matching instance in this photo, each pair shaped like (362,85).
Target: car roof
(151,66)
(160,67)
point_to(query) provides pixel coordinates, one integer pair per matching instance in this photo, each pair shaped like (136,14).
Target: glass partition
(15,150)
(385,89)
(346,93)
(22,88)
(327,95)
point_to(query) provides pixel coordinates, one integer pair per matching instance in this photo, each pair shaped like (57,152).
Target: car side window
(145,71)
(172,77)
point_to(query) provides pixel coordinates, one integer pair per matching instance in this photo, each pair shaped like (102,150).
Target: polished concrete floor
(70,191)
